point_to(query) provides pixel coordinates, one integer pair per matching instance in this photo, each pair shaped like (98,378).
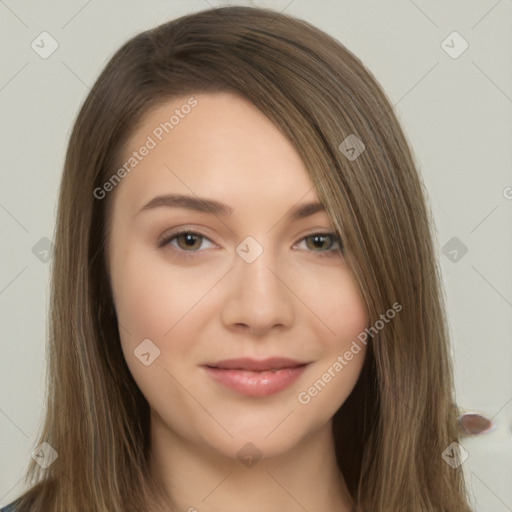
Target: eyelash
(166,239)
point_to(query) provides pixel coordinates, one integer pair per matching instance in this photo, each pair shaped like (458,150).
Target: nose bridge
(256,274)
(253,268)
(259,298)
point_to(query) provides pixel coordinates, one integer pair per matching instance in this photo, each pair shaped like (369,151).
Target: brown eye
(183,241)
(190,240)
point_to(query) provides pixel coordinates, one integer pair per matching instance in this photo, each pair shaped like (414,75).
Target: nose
(259,298)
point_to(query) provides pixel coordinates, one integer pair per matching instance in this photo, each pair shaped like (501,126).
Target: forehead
(216,144)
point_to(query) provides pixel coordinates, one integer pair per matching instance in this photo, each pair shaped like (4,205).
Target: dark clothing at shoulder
(8,508)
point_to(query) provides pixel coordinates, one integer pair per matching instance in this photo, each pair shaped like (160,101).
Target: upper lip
(246,363)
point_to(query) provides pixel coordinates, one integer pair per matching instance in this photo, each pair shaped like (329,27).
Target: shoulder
(9,508)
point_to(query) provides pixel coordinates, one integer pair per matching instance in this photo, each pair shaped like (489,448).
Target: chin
(258,439)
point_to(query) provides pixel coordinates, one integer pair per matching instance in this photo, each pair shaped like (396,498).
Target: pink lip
(256,378)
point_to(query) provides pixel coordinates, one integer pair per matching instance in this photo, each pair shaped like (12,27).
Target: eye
(187,241)
(329,242)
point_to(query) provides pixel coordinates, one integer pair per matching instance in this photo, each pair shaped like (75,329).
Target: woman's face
(251,282)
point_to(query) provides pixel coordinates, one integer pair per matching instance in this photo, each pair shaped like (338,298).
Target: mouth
(256,378)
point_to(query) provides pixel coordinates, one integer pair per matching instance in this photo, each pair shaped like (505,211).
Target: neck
(199,479)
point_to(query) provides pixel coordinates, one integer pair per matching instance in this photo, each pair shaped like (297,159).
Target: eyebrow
(202,204)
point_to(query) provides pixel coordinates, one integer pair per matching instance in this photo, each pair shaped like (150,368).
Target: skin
(292,301)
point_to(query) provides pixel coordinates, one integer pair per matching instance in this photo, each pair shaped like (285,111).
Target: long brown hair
(391,432)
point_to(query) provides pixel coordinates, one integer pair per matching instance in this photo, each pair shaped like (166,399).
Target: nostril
(474,424)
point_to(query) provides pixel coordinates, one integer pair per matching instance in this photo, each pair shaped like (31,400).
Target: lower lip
(252,383)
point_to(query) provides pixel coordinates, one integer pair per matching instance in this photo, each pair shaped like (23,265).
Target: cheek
(348,315)
(148,305)
(151,296)
(340,317)
(347,352)
(164,304)
(153,305)
(335,306)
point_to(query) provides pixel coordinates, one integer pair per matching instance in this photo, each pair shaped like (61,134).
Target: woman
(265,370)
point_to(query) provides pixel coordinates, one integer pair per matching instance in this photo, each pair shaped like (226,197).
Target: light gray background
(457,115)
